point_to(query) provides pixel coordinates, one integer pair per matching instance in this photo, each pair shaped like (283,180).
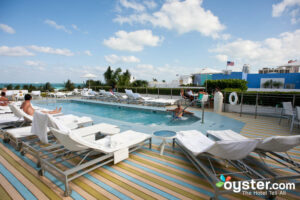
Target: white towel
(55,123)
(115,141)
(39,126)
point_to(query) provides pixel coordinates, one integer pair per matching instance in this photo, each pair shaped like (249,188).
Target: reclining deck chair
(272,148)
(77,145)
(270,145)
(197,147)
(287,111)
(16,135)
(40,128)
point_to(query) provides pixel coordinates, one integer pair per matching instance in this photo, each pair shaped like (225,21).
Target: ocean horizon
(54,85)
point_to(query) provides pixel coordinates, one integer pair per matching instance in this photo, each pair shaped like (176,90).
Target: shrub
(226,83)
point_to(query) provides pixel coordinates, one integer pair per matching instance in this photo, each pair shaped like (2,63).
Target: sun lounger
(269,145)
(42,121)
(108,149)
(200,149)
(14,136)
(287,111)
(271,148)
(8,120)
(295,119)
(121,97)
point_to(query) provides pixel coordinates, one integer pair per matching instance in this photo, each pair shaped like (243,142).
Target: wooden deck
(145,175)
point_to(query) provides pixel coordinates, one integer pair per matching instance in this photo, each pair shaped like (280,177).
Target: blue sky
(57,40)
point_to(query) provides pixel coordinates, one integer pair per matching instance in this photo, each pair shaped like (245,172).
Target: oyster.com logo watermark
(254,187)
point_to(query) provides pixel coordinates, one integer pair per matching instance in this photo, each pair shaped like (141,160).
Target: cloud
(37,64)
(165,72)
(133,5)
(150,4)
(75,27)
(279,8)
(14,51)
(49,50)
(269,52)
(87,52)
(132,41)
(182,16)
(56,26)
(121,59)
(7,29)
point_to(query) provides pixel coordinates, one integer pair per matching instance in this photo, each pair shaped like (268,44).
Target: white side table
(164,135)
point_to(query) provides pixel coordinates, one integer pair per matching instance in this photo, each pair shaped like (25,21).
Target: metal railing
(260,103)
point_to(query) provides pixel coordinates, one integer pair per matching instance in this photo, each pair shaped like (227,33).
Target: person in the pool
(178,112)
(28,109)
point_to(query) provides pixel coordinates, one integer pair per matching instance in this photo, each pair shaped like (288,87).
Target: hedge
(226,83)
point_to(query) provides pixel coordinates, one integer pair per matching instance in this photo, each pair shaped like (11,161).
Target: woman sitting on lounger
(27,107)
(178,112)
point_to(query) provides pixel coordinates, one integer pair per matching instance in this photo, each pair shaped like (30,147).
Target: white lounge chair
(108,149)
(287,111)
(60,95)
(197,147)
(36,93)
(270,147)
(295,119)
(17,134)
(121,97)
(42,121)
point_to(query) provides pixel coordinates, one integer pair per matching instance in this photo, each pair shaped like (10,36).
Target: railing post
(202,103)
(158,92)
(294,99)
(256,104)
(224,101)
(241,110)
(171,94)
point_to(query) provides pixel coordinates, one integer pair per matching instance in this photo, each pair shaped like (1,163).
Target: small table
(164,135)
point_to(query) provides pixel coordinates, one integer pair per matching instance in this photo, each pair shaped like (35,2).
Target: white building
(185,80)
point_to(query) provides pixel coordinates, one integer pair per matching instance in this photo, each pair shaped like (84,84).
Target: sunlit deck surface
(145,175)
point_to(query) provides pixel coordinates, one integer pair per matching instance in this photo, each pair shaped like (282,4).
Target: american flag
(292,61)
(230,63)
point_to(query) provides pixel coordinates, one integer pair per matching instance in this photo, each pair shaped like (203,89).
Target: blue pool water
(140,118)
(127,114)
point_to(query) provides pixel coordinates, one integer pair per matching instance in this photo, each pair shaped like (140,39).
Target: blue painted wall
(253,79)
(290,78)
(233,75)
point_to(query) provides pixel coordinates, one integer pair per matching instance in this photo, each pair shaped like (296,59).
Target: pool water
(141,118)
(127,114)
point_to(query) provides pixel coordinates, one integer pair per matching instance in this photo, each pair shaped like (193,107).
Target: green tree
(154,79)
(17,87)
(163,81)
(69,86)
(47,87)
(277,84)
(108,75)
(266,84)
(140,83)
(9,86)
(31,87)
(124,79)
(25,87)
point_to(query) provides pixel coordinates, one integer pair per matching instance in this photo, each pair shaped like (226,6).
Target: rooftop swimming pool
(141,118)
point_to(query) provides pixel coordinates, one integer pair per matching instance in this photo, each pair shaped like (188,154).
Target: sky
(57,40)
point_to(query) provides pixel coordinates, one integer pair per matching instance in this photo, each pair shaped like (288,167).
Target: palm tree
(69,85)
(266,84)
(277,84)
